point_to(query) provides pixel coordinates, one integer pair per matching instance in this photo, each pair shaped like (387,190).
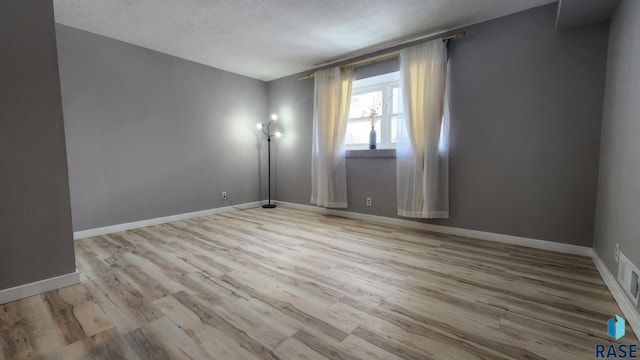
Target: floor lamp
(265,130)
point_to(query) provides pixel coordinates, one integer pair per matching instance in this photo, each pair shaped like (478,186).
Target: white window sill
(371,153)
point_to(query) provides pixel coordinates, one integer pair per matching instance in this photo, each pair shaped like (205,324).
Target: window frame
(386,84)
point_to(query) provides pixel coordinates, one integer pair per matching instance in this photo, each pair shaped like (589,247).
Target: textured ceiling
(269,39)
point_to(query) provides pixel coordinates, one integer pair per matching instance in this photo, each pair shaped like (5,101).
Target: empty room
(270,179)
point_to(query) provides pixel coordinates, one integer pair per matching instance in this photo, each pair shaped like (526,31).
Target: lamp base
(268,206)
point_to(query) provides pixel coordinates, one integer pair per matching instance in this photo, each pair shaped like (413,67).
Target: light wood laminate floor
(289,284)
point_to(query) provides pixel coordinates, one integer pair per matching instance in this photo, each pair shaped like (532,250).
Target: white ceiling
(269,39)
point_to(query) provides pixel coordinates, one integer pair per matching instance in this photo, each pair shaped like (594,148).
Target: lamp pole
(265,130)
(269,205)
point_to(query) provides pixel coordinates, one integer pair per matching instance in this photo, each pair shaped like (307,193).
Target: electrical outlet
(616,255)
(224,195)
(368,201)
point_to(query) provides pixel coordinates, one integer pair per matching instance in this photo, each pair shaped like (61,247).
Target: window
(377,97)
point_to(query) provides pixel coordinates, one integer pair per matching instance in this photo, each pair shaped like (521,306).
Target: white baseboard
(161,220)
(39,287)
(627,307)
(482,235)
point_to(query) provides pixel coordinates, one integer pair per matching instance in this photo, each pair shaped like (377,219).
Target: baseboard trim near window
(161,220)
(627,307)
(481,235)
(39,287)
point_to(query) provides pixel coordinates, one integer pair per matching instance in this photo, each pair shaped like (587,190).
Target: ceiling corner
(575,13)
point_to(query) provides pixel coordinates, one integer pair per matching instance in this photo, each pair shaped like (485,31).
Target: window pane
(396,106)
(358,132)
(394,129)
(382,95)
(363,104)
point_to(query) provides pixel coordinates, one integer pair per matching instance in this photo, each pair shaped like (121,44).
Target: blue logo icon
(615,327)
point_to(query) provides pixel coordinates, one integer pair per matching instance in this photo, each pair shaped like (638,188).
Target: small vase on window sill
(371,114)
(372,138)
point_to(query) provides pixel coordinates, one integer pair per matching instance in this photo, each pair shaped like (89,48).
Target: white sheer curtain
(331,108)
(422,149)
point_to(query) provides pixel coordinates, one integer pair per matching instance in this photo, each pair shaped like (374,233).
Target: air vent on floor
(628,278)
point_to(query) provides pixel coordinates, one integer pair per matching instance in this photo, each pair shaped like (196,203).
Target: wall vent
(628,277)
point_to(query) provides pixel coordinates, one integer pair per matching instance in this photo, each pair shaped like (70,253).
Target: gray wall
(618,206)
(526,112)
(35,217)
(151,135)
